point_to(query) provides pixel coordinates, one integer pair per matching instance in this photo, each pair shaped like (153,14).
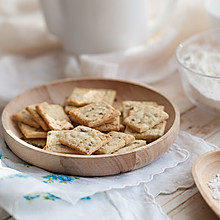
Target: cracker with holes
(134,145)
(94,114)
(84,140)
(145,119)
(83,96)
(54,116)
(142,106)
(149,135)
(25,117)
(118,141)
(31,132)
(127,106)
(33,111)
(53,144)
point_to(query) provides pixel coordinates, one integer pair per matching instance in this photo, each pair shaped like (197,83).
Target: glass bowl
(198,61)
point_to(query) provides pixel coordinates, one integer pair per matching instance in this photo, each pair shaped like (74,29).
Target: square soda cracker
(134,145)
(25,117)
(83,96)
(94,114)
(84,140)
(128,105)
(149,135)
(145,119)
(33,111)
(54,116)
(140,107)
(113,125)
(53,144)
(118,141)
(31,132)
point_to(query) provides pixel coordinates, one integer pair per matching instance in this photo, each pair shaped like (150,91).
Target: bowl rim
(187,41)
(176,119)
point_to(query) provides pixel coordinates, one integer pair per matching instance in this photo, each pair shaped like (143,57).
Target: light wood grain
(95,165)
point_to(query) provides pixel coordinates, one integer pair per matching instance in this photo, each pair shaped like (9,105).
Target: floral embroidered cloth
(30,192)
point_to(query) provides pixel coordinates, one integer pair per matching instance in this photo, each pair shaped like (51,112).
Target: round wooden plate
(83,165)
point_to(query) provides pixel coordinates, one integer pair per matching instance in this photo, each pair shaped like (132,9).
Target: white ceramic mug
(97,26)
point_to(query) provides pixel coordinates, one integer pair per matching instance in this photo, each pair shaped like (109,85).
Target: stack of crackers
(89,124)
(144,120)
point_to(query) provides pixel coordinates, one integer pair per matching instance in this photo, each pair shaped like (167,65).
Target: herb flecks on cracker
(84,140)
(94,114)
(145,119)
(53,144)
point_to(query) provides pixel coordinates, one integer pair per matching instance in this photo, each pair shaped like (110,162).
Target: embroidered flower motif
(20,175)
(86,198)
(51,197)
(45,196)
(51,178)
(29,197)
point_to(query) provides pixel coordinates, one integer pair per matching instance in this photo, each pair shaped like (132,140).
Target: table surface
(184,203)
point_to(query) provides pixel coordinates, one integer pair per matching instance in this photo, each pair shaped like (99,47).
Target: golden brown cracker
(134,145)
(118,140)
(83,96)
(53,144)
(145,119)
(31,132)
(85,140)
(149,135)
(129,105)
(33,111)
(25,117)
(54,116)
(114,125)
(94,114)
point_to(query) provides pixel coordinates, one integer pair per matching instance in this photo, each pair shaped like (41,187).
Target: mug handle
(161,19)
